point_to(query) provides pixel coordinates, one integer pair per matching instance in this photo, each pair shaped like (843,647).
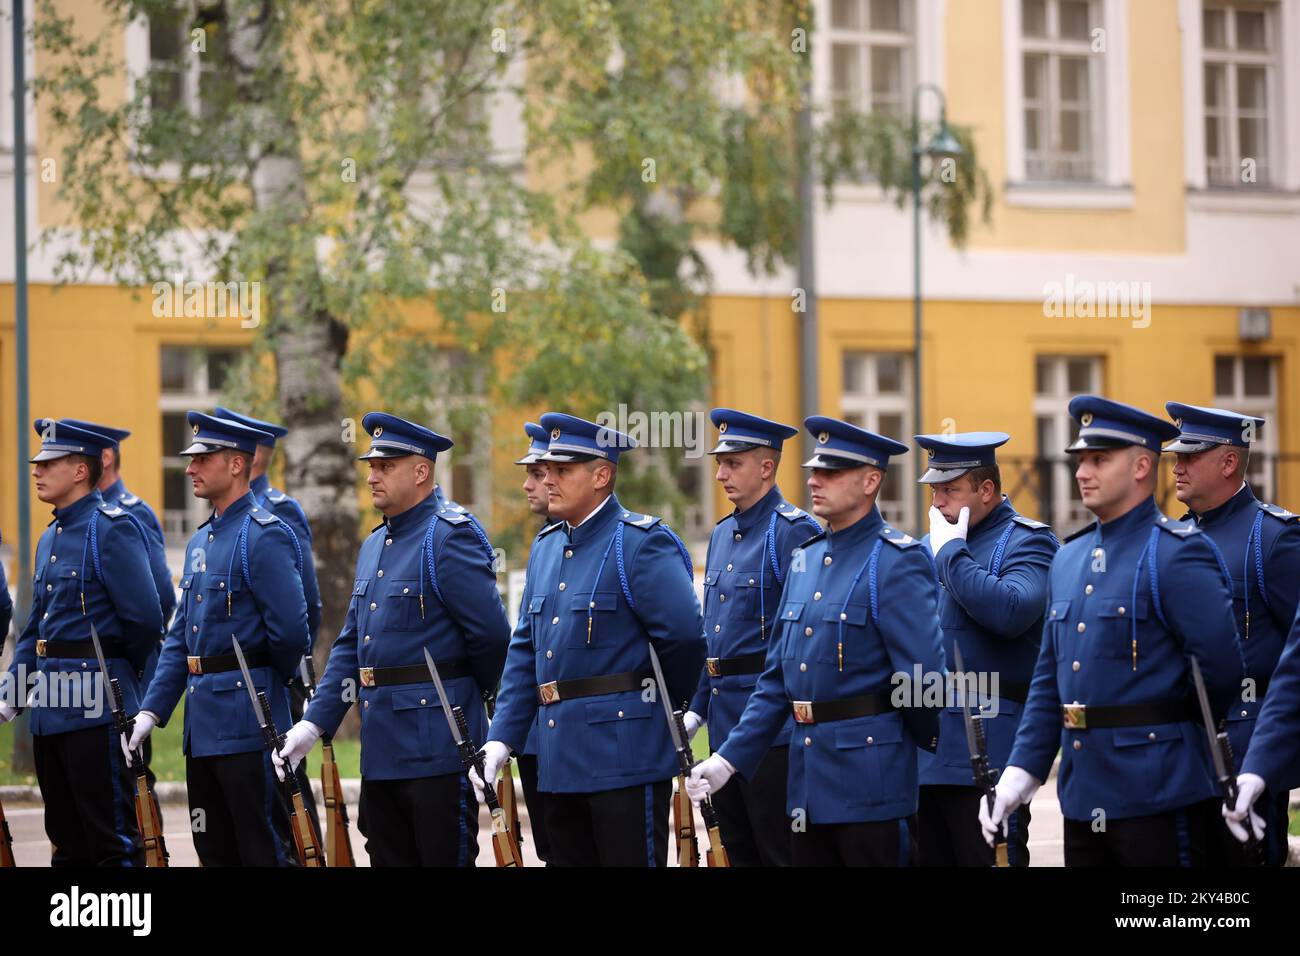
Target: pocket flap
(412,698)
(792,611)
(598,712)
(600,601)
(1143,736)
(867,732)
(1122,607)
(1058,611)
(536,603)
(855,614)
(360,586)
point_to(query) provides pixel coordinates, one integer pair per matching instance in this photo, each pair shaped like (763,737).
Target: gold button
(1078,745)
(620,713)
(1121,611)
(568,554)
(550,723)
(1096,553)
(373,605)
(826,560)
(1151,736)
(807,632)
(381,574)
(807,741)
(737,535)
(817,596)
(562,585)
(1075,665)
(1088,589)
(1082,627)
(549,655)
(555,620)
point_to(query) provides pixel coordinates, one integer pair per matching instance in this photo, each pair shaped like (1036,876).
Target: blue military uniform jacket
(290,512)
(1260,544)
(240,579)
(865,595)
(1142,578)
(591,744)
(98,552)
(6,606)
(117,494)
(424,580)
(749,557)
(991,602)
(1274,753)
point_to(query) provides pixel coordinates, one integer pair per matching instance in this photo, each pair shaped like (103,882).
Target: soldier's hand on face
(298,742)
(495,755)
(144,725)
(941,532)
(693,722)
(1014,787)
(708,776)
(1249,788)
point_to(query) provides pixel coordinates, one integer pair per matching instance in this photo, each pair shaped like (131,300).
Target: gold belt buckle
(1075,716)
(194,664)
(40,646)
(715,666)
(367,677)
(548,693)
(803,711)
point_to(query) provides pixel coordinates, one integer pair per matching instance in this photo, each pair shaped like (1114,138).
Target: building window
(459,411)
(877,396)
(1240,43)
(1057,379)
(1061,90)
(1248,384)
(872,55)
(192,378)
(188,59)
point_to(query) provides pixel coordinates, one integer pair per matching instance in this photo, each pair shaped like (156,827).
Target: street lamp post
(943,146)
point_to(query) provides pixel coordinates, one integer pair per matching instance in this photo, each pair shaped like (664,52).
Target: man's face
(951,496)
(56,479)
(570,489)
(535,488)
(1199,476)
(741,475)
(211,474)
(1106,477)
(838,491)
(394,482)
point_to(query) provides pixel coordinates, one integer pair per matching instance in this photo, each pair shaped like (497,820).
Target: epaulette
(1029,522)
(1278,512)
(112,511)
(793,513)
(549,528)
(264,517)
(129,501)
(275,495)
(1179,528)
(639,520)
(1086,529)
(899,539)
(452,517)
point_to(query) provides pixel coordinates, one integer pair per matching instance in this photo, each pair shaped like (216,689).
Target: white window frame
(870,403)
(1111,187)
(1264,448)
(1064,512)
(865,40)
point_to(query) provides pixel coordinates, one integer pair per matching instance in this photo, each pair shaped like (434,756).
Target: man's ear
(871,481)
(601,475)
(423,471)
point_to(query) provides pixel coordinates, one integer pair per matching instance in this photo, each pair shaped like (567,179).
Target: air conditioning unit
(1254,325)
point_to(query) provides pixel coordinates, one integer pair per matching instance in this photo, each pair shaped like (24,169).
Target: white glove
(708,776)
(298,742)
(144,725)
(1014,787)
(693,722)
(7,713)
(941,532)
(1249,787)
(495,755)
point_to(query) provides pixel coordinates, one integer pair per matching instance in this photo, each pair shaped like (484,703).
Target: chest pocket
(68,582)
(1115,637)
(711,578)
(219,595)
(536,608)
(746,592)
(855,617)
(791,618)
(402,606)
(602,620)
(1055,622)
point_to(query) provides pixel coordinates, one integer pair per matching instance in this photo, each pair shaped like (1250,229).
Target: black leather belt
(412,673)
(556,690)
(1012,690)
(1083,717)
(75,649)
(824,711)
(734,666)
(220,663)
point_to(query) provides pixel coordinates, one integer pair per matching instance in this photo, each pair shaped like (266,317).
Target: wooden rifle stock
(149,820)
(509,801)
(338,844)
(688,853)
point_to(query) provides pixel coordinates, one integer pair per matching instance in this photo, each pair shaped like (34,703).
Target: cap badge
(1178,422)
(379,430)
(722,429)
(823,437)
(555,434)
(196,429)
(1085,419)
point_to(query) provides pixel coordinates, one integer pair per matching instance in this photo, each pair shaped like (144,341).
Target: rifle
(338,844)
(304,833)
(506,795)
(147,816)
(687,853)
(979,758)
(1225,771)
(503,844)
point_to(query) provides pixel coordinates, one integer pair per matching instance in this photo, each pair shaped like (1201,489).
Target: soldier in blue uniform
(858,624)
(241,578)
(92,568)
(539,504)
(993,564)
(6,605)
(424,580)
(1260,544)
(604,583)
(1130,597)
(749,557)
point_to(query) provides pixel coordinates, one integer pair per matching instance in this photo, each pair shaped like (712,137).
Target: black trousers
(623,827)
(882,843)
(948,832)
(238,814)
(751,813)
(89,798)
(535,801)
(422,821)
(1226,851)
(1174,838)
